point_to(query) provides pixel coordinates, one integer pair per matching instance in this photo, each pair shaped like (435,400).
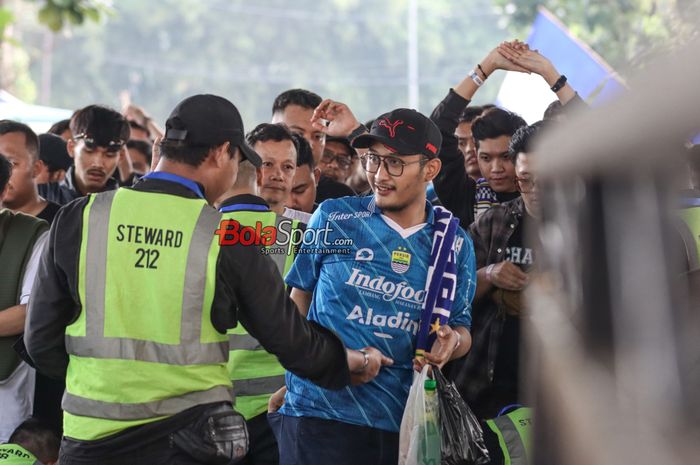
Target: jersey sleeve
(461,314)
(306,268)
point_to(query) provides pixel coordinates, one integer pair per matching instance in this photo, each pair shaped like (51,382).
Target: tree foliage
(349,50)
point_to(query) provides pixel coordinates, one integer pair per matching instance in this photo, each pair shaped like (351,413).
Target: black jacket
(248,290)
(66,191)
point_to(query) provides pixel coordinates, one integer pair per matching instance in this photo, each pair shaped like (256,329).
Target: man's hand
(506,275)
(442,350)
(361,373)
(276,400)
(531,60)
(496,60)
(341,120)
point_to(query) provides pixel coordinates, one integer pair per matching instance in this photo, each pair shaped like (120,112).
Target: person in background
(20,145)
(22,238)
(275,145)
(97,145)
(301,198)
(295,108)
(465,141)
(54,158)
(61,129)
(492,132)
(32,443)
(140,154)
(337,158)
(488,377)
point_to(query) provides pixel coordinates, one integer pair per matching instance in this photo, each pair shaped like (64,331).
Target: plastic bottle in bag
(430,441)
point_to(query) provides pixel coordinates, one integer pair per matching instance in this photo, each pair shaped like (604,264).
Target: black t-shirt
(49,212)
(507,367)
(327,188)
(506,196)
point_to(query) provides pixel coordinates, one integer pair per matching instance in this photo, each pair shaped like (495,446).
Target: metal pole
(413,87)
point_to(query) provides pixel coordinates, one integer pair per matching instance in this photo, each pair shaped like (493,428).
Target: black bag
(462,436)
(219,436)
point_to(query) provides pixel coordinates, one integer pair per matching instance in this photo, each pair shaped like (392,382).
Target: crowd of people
(203,294)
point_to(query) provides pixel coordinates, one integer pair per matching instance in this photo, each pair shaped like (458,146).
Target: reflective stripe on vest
(256,386)
(190,351)
(513,431)
(255,373)
(111,355)
(13,454)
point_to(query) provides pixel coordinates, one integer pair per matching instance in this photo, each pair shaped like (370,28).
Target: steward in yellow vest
(137,295)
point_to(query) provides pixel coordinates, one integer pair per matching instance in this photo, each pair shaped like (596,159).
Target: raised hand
(496,60)
(531,60)
(340,119)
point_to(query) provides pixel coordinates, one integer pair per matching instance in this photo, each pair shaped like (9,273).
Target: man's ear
(317,174)
(220,155)
(70,146)
(432,169)
(258,177)
(37,167)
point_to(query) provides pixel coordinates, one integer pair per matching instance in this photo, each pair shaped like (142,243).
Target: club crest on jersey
(400,260)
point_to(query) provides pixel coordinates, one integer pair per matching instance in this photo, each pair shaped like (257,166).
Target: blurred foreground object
(615,329)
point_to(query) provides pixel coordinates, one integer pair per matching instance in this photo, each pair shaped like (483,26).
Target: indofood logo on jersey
(388,290)
(400,260)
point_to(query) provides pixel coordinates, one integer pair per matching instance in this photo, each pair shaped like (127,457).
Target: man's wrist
(358,131)
(489,272)
(365,362)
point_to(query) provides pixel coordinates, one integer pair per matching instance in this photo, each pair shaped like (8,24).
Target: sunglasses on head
(92,144)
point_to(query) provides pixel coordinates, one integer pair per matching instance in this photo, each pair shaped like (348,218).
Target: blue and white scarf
(441,282)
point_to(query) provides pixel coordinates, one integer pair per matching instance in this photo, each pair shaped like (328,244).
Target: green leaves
(55,14)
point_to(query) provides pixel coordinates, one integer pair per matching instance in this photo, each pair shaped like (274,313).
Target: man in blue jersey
(372,296)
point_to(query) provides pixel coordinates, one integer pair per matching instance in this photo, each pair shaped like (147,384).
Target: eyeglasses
(526,185)
(342,160)
(112,146)
(393,165)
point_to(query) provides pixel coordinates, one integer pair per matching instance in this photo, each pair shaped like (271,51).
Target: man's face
(303,191)
(495,164)
(527,184)
(94,165)
(139,162)
(465,143)
(279,161)
(298,119)
(336,162)
(396,193)
(21,187)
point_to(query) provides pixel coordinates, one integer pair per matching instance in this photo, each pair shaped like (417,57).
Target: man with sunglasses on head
(373,295)
(487,377)
(97,146)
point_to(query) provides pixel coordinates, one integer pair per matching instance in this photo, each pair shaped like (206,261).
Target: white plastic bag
(419,426)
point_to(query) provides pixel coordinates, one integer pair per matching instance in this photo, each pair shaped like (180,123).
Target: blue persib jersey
(370,297)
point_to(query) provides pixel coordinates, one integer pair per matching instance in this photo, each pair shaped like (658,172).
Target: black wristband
(561,82)
(478,65)
(358,131)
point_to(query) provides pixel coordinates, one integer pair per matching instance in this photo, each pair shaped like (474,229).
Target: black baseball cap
(342,140)
(53,152)
(208,120)
(404,132)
